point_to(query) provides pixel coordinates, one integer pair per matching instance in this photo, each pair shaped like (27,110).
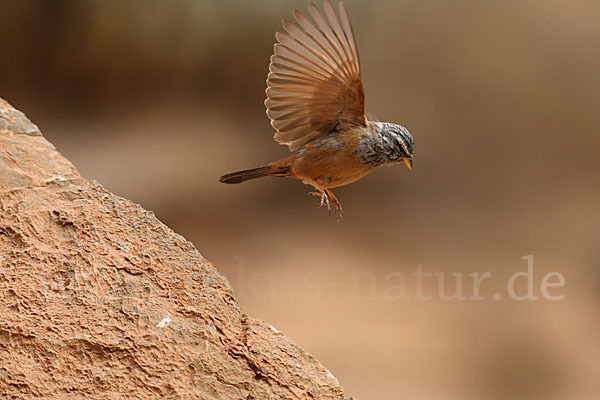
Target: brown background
(156,99)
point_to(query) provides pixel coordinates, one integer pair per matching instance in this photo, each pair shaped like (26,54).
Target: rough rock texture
(99,299)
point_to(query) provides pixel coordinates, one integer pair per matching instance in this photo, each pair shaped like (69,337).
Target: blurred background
(157,99)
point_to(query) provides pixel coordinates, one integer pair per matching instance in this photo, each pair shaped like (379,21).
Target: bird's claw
(323,196)
(326,200)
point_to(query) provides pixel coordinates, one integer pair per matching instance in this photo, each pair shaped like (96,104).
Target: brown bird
(315,101)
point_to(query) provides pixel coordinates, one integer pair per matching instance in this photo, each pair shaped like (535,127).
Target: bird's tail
(248,174)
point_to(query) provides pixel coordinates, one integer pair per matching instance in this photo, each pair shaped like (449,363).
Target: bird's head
(401,144)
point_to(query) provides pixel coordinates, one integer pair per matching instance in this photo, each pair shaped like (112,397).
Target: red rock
(99,299)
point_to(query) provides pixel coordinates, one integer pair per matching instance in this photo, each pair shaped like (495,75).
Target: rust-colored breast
(330,161)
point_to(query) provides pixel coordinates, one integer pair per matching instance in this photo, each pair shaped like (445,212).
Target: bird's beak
(407,161)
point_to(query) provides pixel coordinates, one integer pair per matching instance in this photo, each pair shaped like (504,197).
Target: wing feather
(314,85)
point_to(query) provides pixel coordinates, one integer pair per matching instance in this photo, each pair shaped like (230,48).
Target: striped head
(390,144)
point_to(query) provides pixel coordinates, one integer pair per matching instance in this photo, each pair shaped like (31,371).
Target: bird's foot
(327,198)
(324,199)
(336,203)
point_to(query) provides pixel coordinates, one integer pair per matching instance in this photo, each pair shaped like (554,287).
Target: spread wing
(314,85)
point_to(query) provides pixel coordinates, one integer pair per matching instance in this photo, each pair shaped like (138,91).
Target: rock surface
(99,299)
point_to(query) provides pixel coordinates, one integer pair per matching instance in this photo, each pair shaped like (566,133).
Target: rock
(99,299)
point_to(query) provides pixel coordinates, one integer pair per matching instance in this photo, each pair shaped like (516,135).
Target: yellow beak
(407,162)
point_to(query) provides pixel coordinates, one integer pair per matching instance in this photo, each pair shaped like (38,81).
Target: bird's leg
(336,203)
(327,198)
(324,198)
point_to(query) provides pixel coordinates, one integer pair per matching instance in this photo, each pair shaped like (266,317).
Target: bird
(316,104)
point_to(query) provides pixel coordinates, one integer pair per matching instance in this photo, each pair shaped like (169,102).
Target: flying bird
(316,104)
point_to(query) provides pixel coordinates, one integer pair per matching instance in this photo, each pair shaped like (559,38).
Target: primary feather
(314,85)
